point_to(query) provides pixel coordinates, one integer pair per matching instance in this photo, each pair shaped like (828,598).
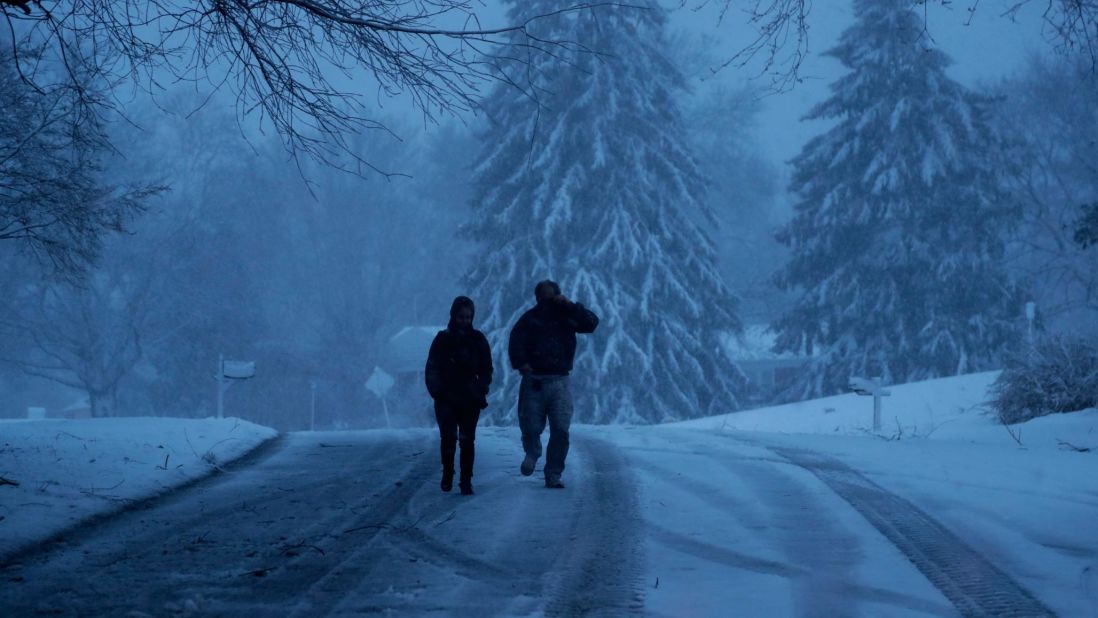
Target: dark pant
(546,400)
(457,424)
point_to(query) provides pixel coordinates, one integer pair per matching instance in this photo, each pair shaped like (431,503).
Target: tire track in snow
(319,583)
(600,570)
(205,544)
(974,585)
(309,533)
(817,555)
(285,572)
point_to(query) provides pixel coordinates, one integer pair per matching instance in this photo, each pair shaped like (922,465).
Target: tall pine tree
(585,178)
(896,239)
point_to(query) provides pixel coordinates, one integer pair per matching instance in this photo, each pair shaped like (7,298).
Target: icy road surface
(653,522)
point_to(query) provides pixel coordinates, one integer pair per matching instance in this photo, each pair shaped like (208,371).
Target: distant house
(403,358)
(406,351)
(81,408)
(767,371)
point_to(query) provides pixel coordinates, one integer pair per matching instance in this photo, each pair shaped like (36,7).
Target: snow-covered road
(353,523)
(655,521)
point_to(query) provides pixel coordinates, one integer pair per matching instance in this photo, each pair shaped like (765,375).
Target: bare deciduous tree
(52,200)
(1057,175)
(87,337)
(289,59)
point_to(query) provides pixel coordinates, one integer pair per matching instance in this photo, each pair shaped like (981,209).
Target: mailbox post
(863,386)
(229,372)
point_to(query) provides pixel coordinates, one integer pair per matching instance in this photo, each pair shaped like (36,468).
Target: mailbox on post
(228,372)
(864,386)
(238,370)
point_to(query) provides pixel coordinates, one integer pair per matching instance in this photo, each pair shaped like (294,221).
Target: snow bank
(944,409)
(70,470)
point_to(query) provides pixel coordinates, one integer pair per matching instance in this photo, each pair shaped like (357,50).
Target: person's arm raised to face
(581,318)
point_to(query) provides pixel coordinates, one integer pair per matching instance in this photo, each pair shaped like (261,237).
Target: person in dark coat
(542,347)
(458,374)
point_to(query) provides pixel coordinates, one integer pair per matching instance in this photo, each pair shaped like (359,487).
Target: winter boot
(466,486)
(553,482)
(448,450)
(467,458)
(527,467)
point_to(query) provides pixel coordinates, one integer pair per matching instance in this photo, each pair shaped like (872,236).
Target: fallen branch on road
(7,481)
(448,518)
(369,527)
(410,526)
(289,550)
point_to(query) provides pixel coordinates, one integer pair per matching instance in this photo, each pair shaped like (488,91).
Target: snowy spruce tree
(585,178)
(896,238)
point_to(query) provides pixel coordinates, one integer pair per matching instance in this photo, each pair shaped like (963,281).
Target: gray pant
(541,399)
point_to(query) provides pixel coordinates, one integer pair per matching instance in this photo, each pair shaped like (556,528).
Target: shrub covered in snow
(1059,375)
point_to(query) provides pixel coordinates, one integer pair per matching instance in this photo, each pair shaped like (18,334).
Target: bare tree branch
(288,60)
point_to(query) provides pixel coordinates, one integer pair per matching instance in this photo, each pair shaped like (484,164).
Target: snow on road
(352,523)
(694,519)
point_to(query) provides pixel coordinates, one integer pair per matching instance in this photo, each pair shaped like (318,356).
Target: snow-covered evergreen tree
(897,236)
(585,178)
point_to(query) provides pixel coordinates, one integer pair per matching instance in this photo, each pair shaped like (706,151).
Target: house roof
(407,349)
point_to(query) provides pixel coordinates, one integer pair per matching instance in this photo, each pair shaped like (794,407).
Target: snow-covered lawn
(69,470)
(944,409)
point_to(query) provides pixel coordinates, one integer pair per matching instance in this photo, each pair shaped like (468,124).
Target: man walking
(542,347)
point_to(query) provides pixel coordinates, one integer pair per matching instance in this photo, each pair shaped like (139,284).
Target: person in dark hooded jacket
(458,375)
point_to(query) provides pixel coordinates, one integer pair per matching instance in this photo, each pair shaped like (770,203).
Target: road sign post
(379,384)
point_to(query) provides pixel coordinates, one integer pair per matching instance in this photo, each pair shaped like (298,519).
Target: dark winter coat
(545,337)
(459,368)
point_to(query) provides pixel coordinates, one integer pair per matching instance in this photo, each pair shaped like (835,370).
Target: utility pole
(312,406)
(221,386)
(1031,315)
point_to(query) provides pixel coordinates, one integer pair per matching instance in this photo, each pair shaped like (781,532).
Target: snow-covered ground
(947,409)
(1031,509)
(788,511)
(70,470)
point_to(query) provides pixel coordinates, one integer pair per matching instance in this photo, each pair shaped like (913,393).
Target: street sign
(380,382)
